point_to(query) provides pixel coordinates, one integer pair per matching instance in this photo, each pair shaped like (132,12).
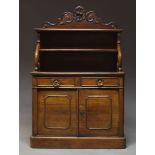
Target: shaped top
(79,19)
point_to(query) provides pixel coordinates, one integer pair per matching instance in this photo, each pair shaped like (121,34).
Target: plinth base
(79,142)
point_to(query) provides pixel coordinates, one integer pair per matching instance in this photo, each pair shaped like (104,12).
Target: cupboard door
(99,112)
(57,112)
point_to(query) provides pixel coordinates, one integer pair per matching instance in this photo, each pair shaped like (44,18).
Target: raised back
(80,19)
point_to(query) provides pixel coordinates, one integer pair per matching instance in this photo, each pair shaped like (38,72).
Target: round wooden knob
(100,82)
(56,83)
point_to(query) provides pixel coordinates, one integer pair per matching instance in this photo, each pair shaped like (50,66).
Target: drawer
(99,82)
(56,82)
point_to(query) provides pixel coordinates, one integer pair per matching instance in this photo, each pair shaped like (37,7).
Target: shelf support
(36,68)
(119,55)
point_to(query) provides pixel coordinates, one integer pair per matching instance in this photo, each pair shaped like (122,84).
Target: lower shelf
(79,142)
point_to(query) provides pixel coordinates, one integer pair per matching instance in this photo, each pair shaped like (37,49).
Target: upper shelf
(78,50)
(79,20)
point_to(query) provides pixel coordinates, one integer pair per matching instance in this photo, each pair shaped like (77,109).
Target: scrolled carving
(92,18)
(36,55)
(112,24)
(119,55)
(67,18)
(79,15)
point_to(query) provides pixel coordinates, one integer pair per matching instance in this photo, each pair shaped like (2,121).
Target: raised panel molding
(110,111)
(69,111)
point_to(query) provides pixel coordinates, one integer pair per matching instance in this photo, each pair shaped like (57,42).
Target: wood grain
(78,84)
(79,142)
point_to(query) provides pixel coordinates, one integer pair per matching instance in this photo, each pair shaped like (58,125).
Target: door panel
(99,112)
(98,108)
(57,112)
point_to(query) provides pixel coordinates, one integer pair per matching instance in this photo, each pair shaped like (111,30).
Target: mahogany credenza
(78,84)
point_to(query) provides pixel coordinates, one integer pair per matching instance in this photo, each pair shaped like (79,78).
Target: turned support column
(36,55)
(119,55)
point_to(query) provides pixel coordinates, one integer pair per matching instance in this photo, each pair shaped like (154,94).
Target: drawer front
(56,82)
(99,82)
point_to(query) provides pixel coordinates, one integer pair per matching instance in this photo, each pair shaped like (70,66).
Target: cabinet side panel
(121,112)
(34,112)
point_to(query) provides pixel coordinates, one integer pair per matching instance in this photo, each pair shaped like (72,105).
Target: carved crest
(79,15)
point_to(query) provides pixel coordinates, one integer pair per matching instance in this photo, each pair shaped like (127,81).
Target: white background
(9,77)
